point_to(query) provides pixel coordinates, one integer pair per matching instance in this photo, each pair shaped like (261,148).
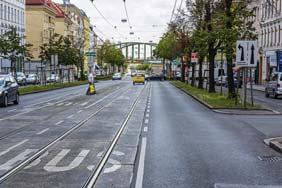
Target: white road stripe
(148,107)
(148,110)
(145,129)
(147,115)
(43,131)
(12,110)
(83,104)
(140,171)
(146,121)
(60,104)
(60,122)
(68,104)
(13,147)
(70,116)
(79,111)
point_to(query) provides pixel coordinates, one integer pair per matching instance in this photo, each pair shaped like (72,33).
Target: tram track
(45,148)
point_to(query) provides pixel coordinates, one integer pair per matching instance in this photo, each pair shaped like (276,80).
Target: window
(1,11)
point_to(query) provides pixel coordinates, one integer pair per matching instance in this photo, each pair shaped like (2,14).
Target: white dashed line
(60,122)
(83,104)
(68,104)
(146,121)
(60,104)
(148,107)
(70,116)
(79,111)
(147,115)
(13,147)
(145,129)
(43,131)
(12,110)
(140,171)
(148,111)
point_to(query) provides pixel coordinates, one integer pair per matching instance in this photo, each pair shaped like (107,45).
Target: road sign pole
(245,87)
(251,79)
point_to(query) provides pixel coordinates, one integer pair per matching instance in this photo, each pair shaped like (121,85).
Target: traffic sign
(246,53)
(90,54)
(194,57)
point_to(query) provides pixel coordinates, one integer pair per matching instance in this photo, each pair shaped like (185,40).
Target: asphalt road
(186,145)
(154,134)
(59,141)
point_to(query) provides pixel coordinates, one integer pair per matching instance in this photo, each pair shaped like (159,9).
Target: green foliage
(167,47)
(144,67)
(110,55)
(11,46)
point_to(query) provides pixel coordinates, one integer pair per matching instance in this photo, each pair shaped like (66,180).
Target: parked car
(178,75)
(53,78)
(32,79)
(147,77)
(274,86)
(21,78)
(116,76)
(222,80)
(8,90)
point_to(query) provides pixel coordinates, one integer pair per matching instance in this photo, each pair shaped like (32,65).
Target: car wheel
(17,101)
(266,94)
(5,101)
(275,96)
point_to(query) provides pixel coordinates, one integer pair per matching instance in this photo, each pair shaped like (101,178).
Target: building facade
(40,25)
(270,37)
(12,14)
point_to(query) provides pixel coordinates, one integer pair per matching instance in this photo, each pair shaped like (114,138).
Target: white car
(32,79)
(53,78)
(116,76)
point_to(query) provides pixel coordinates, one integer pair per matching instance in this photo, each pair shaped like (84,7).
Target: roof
(50,4)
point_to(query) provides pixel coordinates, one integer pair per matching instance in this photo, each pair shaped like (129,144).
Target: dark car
(8,90)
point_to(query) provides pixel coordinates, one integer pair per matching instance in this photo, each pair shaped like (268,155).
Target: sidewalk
(257,87)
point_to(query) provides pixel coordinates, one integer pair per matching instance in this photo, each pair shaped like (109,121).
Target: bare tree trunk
(201,83)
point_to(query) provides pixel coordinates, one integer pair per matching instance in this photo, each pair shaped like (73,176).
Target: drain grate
(270,158)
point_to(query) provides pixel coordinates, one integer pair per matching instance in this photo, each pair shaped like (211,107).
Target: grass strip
(213,100)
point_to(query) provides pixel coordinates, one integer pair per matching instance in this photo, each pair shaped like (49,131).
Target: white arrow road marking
(21,157)
(37,161)
(52,165)
(13,147)
(115,164)
(43,131)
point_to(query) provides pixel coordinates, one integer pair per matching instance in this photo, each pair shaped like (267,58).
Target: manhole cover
(270,158)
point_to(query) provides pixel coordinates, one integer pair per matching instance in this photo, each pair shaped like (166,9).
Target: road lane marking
(70,116)
(148,110)
(145,129)
(69,103)
(52,165)
(37,161)
(147,115)
(79,111)
(60,122)
(148,107)
(43,131)
(13,147)
(21,157)
(60,104)
(102,99)
(83,104)
(12,110)
(140,171)
(146,121)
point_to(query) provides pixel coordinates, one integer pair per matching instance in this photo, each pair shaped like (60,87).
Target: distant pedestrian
(91,86)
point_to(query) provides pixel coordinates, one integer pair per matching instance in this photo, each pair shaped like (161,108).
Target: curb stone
(220,110)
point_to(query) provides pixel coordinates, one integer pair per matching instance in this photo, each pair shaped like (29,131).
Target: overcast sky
(148,18)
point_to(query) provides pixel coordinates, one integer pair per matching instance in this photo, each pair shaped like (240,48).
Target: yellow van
(138,78)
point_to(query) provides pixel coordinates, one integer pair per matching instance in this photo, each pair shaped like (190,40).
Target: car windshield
(1,81)
(30,75)
(117,74)
(20,74)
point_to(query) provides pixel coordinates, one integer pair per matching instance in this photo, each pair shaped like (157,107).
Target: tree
(238,25)
(12,48)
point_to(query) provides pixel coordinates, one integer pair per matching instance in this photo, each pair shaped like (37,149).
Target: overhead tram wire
(125,8)
(106,19)
(172,14)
